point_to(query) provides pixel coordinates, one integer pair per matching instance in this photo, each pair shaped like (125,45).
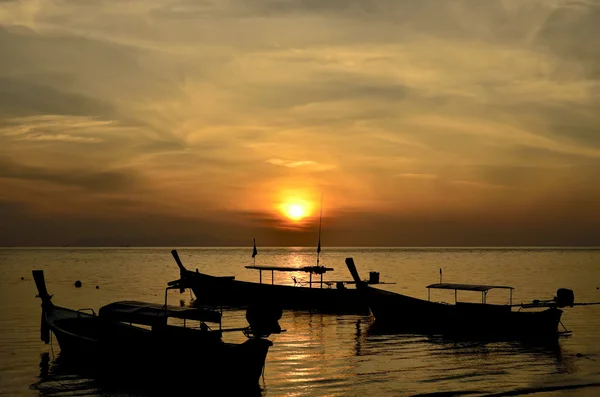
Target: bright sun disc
(295,211)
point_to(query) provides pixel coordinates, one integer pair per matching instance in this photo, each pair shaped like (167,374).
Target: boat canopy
(308,269)
(152,313)
(468,287)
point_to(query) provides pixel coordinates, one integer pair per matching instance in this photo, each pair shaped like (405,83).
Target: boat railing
(203,324)
(89,309)
(262,321)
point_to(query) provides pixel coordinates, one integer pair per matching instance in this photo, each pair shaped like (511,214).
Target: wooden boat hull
(400,312)
(120,346)
(210,290)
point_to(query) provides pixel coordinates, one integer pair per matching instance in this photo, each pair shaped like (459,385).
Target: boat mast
(319,244)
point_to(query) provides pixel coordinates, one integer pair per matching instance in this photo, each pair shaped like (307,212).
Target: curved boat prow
(182,268)
(40,283)
(353,271)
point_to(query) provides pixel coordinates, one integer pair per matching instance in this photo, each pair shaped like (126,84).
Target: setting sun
(295,211)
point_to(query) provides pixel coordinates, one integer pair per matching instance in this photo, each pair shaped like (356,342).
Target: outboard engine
(564,297)
(373,278)
(263,320)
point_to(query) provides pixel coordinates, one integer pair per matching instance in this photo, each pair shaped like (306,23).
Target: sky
(200,122)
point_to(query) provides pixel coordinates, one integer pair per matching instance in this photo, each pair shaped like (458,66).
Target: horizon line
(311,247)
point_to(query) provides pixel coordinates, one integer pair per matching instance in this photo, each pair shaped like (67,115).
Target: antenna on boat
(319,244)
(320,220)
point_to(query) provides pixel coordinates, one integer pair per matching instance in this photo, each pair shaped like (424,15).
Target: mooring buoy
(77,284)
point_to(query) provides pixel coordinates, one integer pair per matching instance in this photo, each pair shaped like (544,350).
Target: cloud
(300,164)
(478,184)
(568,32)
(100,180)
(19,97)
(60,137)
(416,176)
(56,128)
(179,108)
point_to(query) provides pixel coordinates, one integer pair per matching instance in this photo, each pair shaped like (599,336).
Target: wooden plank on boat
(468,287)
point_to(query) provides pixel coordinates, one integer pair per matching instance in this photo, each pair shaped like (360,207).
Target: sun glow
(295,210)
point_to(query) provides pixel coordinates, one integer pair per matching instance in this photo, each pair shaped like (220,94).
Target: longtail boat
(326,297)
(539,318)
(138,337)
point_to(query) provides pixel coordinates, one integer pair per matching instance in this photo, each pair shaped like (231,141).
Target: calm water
(319,355)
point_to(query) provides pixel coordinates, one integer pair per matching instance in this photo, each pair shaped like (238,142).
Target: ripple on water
(319,355)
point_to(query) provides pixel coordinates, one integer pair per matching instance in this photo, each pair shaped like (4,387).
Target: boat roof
(468,287)
(152,313)
(308,269)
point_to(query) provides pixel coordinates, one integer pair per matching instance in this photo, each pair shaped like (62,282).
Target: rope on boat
(53,358)
(51,347)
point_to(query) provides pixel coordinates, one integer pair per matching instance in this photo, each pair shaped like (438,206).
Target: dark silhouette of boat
(404,313)
(327,297)
(138,337)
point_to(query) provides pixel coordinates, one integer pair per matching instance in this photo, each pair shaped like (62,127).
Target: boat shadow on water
(68,376)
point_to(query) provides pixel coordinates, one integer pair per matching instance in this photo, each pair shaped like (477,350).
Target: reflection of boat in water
(137,337)
(328,297)
(396,311)
(82,376)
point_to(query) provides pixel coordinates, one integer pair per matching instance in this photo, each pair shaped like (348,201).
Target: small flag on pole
(254,251)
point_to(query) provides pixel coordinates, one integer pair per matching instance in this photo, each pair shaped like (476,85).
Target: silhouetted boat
(227,291)
(137,336)
(400,312)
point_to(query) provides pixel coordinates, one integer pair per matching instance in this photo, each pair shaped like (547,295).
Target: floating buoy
(97,287)
(77,284)
(22,278)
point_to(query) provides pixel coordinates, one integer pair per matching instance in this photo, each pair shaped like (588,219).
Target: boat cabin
(468,287)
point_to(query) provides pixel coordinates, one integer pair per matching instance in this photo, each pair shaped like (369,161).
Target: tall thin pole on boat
(319,244)
(254,252)
(320,220)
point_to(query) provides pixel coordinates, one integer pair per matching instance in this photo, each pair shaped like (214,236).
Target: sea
(319,354)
